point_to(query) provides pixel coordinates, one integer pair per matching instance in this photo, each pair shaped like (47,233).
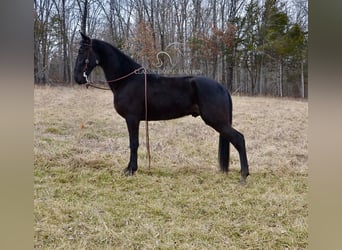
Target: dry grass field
(83,201)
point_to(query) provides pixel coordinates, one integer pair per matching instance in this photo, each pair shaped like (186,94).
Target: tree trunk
(302,78)
(261,78)
(84,17)
(229,74)
(36,59)
(280,78)
(66,72)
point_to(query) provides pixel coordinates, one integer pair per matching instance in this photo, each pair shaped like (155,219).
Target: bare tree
(83,6)
(245,44)
(42,43)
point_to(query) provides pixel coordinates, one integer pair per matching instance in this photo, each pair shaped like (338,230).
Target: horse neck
(114,63)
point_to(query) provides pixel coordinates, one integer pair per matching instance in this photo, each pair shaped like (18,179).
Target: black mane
(114,57)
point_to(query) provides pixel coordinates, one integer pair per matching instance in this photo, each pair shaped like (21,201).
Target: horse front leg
(133,130)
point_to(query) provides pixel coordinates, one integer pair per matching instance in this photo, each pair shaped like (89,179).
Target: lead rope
(146,125)
(95,86)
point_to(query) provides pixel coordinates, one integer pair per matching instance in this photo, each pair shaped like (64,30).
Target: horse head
(86,60)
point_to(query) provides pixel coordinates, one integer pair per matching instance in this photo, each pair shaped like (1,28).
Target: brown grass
(82,200)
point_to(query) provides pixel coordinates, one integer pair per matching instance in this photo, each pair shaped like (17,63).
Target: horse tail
(224,143)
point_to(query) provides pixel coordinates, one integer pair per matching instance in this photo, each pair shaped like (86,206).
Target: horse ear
(84,37)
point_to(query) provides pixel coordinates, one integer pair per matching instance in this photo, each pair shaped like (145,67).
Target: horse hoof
(243,181)
(128,172)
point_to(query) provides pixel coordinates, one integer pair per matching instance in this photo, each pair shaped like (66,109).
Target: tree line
(253,47)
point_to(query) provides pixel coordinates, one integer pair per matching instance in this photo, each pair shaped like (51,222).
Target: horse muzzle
(81,79)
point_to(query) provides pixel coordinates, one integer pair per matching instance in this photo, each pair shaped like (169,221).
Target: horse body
(167,98)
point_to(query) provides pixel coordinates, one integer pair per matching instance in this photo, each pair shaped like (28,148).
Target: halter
(136,71)
(89,83)
(90,48)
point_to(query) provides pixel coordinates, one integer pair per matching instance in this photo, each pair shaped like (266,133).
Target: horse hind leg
(224,153)
(229,134)
(238,141)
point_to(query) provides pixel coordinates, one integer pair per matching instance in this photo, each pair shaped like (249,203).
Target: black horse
(167,98)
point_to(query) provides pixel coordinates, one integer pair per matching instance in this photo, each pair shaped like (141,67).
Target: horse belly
(171,98)
(171,109)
